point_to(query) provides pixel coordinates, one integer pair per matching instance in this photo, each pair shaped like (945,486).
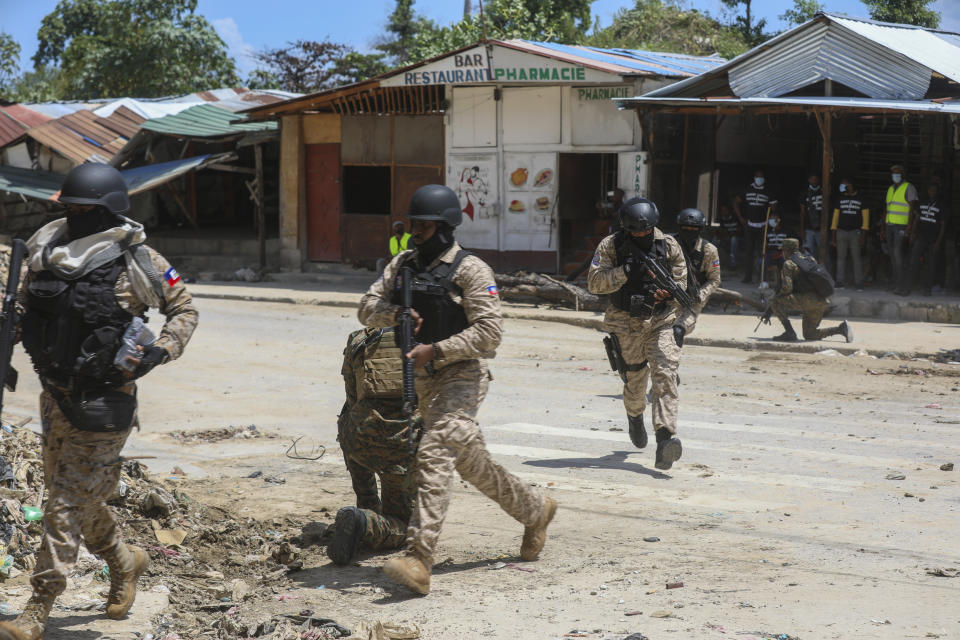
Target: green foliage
(307,66)
(401,31)
(9,58)
(749,27)
(802,11)
(916,12)
(554,20)
(666,25)
(144,48)
(43,84)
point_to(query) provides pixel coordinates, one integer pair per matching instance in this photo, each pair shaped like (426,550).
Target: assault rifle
(407,343)
(765,317)
(663,279)
(9,319)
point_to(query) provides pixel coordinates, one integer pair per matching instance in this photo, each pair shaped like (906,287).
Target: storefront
(527,134)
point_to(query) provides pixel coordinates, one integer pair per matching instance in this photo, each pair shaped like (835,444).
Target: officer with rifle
(703,264)
(645,274)
(91,279)
(805,286)
(453,310)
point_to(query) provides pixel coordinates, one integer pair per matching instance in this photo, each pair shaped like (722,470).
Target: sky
(248,26)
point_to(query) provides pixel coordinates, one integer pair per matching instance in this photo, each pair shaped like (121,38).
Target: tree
(144,48)
(915,12)
(402,28)
(306,66)
(752,30)
(9,59)
(563,21)
(43,84)
(802,11)
(666,25)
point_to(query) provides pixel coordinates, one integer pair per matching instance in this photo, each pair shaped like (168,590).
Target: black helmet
(436,202)
(691,218)
(95,183)
(638,214)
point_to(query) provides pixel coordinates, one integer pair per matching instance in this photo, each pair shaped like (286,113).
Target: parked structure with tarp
(839,96)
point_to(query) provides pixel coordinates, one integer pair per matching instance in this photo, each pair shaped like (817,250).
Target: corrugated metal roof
(25,115)
(10,129)
(880,60)
(45,185)
(857,104)
(82,136)
(204,121)
(626,62)
(15,119)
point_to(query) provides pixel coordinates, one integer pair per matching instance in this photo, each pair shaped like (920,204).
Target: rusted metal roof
(82,136)
(878,60)
(15,119)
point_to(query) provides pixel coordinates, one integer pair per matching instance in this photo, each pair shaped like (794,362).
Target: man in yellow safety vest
(901,201)
(399,239)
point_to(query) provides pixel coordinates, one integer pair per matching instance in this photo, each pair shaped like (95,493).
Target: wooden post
(683,160)
(826,212)
(261,213)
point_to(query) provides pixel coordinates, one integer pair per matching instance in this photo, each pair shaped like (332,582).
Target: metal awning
(45,185)
(798,104)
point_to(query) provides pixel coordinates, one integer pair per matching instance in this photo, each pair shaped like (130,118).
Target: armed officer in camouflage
(798,292)
(703,265)
(90,276)
(373,433)
(641,319)
(456,311)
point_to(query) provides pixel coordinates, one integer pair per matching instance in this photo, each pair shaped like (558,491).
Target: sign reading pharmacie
(503,65)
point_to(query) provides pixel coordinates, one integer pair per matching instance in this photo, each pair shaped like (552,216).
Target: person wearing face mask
(703,264)
(901,206)
(751,208)
(811,206)
(457,319)
(642,320)
(850,226)
(89,277)
(926,242)
(773,259)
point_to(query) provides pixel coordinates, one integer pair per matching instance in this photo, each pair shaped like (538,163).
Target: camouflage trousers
(810,305)
(649,340)
(449,401)
(373,438)
(81,470)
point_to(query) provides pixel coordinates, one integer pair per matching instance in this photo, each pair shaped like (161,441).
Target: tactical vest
(851,213)
(757,201)
(639,283)
(812,277)
(695,275)
(72,329)
(379,374)
(898,209)
(431,291)
(731,226)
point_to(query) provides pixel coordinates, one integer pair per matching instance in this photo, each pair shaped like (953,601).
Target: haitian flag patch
(716,263)
(171,276)
(492,290)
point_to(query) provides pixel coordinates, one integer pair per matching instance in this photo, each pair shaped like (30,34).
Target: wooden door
(323,202)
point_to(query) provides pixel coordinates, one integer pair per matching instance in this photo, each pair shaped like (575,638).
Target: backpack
(813,276)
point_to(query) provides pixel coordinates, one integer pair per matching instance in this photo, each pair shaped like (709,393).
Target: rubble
(218,435)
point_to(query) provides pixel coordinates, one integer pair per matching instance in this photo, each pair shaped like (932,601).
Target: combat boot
(126,565)
(348,530)
(535,537)
(411,571)
(788,335)
(669,449)
(638,435)
(29,625)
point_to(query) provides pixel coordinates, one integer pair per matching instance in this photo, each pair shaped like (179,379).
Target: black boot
(638,435)
(788,335)
(669,449)
(348,530)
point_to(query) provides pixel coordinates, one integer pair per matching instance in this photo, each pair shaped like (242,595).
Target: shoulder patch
(492,290)
(716,263)
(171,276)
(596,259)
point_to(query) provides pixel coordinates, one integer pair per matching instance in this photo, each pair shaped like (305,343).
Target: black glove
(152,356)
(678,333)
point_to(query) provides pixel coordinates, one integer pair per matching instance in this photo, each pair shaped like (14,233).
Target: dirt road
(780,518)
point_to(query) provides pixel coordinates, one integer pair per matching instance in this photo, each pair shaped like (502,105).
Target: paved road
(783,475)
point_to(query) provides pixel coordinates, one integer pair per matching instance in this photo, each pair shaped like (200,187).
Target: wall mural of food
(518,177)
(517,206)
(543,178)
(531,192)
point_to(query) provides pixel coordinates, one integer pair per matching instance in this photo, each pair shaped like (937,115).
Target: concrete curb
(586,323)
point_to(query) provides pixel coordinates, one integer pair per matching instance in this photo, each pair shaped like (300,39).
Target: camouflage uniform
(643,339)
(82,468)
(809,303)
(372,431)
(709,279)
(449,397)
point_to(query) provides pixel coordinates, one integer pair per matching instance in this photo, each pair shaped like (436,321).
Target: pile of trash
(948,356)
(21,491)
(217,435)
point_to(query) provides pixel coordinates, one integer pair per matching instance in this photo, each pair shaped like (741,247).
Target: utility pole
(467,8)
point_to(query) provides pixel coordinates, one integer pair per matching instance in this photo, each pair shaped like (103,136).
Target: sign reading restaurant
(501,65)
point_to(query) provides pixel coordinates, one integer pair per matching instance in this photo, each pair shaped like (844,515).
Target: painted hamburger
(517,206)
(542,203)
